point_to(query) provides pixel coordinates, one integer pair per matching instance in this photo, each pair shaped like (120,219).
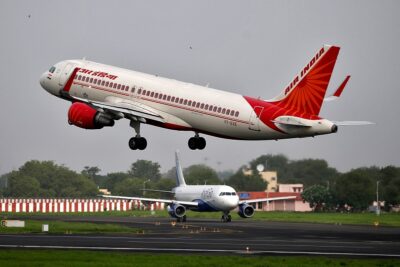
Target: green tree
(356,188)
(53,181)
(390,186)
(241,182)
(129,187)
(200,174)
(319,197)
(145,169)
(22,186)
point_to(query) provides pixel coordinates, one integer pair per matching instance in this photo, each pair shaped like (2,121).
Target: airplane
(101,94)
(202,198)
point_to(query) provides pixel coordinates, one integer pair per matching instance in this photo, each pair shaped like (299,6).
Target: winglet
(180,180)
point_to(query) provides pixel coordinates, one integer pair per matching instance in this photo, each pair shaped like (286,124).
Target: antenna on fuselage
(180,180)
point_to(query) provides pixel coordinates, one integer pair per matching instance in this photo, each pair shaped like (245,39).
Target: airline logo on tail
(306,92)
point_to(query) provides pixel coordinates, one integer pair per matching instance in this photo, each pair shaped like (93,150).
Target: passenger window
(194,104)
(237,114)
(185,102)
(102,83)
(106,84)
(215,109)
(223,111)
(173,99)
(197,105)
(169,98)
(139,91)
(148,93)
(144,92)
(126,88)
(227,111)
(232,112)
(202,105)
(206,107)
(115,86)
(180,101)
(219,110)
(177,100)
(91,80)
(189,102)
(164,97)
(122,87)
(156,95)
(119,86)
(211,108)
(152,94)
(160,96)
(133,89)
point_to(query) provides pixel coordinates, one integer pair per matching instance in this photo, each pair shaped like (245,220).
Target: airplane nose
(42,80)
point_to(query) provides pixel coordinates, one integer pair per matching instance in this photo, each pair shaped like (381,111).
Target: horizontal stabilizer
(352,123)
(290,121)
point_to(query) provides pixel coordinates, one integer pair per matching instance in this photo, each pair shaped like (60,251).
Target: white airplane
(202,198)
(101,94)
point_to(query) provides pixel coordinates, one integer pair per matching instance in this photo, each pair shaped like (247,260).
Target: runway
(240,237)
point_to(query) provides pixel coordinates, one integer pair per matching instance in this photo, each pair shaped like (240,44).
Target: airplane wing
(122,108)
(338,91)
(265,199)
(166,201)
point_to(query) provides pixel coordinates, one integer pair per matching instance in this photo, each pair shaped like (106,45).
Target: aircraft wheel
(142,143)
(192,143)
(184,218)
(133,143)
(229,219)
(201,143)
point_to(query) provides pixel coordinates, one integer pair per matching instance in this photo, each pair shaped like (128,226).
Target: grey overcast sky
(249,47)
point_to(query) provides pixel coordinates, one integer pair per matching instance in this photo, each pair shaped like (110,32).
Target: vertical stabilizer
(180,180)
(306,92)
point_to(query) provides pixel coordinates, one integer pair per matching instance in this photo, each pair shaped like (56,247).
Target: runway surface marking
(209,250)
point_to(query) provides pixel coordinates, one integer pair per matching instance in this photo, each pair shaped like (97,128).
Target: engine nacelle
(246,210)
(176,210)
(86,117)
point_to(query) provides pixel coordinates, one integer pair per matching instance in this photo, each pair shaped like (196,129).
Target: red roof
(254,195)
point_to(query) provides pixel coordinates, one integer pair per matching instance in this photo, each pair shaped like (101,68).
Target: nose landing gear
(197,142)
(226,217)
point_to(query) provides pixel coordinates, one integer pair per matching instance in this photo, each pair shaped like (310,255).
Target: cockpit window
(227,194)
(52,69)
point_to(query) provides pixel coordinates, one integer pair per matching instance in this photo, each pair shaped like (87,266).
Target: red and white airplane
(101,94)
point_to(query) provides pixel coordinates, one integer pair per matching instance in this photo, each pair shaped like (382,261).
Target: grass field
(60,258)
(385,219)
(60,227)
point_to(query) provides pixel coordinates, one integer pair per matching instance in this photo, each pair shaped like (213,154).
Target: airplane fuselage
(183,106)
(210,197)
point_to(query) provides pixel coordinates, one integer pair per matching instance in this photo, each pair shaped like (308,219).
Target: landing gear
(137,142)
(181,219)
(197,142)
(226,217)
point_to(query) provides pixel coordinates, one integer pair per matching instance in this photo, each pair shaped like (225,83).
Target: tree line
(325,187)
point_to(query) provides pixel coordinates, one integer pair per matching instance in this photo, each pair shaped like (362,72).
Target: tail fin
(306,92)
(180,180)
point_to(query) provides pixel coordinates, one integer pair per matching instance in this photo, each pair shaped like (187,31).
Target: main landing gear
(137,142)
(226,217)
(181,219)
(197,142)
